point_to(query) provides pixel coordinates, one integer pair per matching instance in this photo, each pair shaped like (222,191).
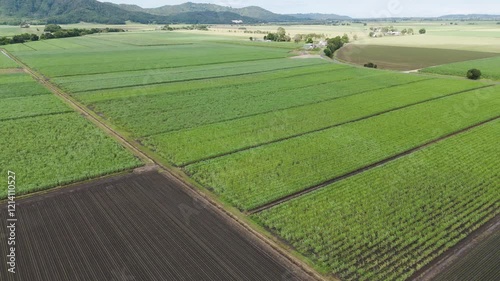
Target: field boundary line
(291,107)
(251,233)
(84,47)
(7,55)
(37,115)
(332,126)
(24,44)
(364,169)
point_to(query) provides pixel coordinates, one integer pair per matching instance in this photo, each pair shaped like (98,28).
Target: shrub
(474,74)
(370,65)
(328,52)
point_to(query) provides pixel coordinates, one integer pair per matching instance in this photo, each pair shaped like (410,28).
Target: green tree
(270,36)
(309,41)
(422,31)
(5,41)
(345,39)
(410,31)
(52,28)
(281,34)
(333,45)
(474,74)
(18,39)
(328,52)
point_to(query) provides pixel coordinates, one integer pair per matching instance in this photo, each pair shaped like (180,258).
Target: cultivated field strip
(321,156)
(17,85)
(117,80)
(10,78)
(27,99)
(90,97)
(16,108)
(481,263)
(54,150)
(390,221)
(182,110)
(145,39)
(140,227)
(489,68)
(205,142)
(58,63)
(47,143)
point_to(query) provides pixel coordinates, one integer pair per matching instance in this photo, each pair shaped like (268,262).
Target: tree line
(53,31)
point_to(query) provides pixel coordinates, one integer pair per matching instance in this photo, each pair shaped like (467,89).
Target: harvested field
(406,58)
(133,227)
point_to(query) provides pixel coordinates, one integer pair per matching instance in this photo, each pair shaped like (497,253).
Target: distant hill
(73,11)
(470,17)
(321,17)
(251,13)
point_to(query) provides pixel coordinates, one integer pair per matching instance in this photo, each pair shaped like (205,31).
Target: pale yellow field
(484,44)
(473,36)
(480,36)
(329,31)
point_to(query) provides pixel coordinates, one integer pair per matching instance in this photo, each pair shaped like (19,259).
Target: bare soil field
(475,258)
(132,227)
(405,58)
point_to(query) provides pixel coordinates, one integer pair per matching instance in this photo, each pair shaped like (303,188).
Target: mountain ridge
(74,11)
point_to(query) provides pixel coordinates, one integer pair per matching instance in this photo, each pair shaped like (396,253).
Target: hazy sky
(353,8)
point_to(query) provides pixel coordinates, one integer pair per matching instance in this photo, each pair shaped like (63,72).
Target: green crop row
(258,176)
(48,151)
(13,108)
(91,97)
(195,144)
(489,68)
(390,221)
(59,44)
(92,61)
(14,78)
(151,38)
(138,78)
(46,144)
(11,89)
(152,114)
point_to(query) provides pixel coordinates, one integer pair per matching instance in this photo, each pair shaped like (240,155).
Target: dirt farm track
(132,227)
